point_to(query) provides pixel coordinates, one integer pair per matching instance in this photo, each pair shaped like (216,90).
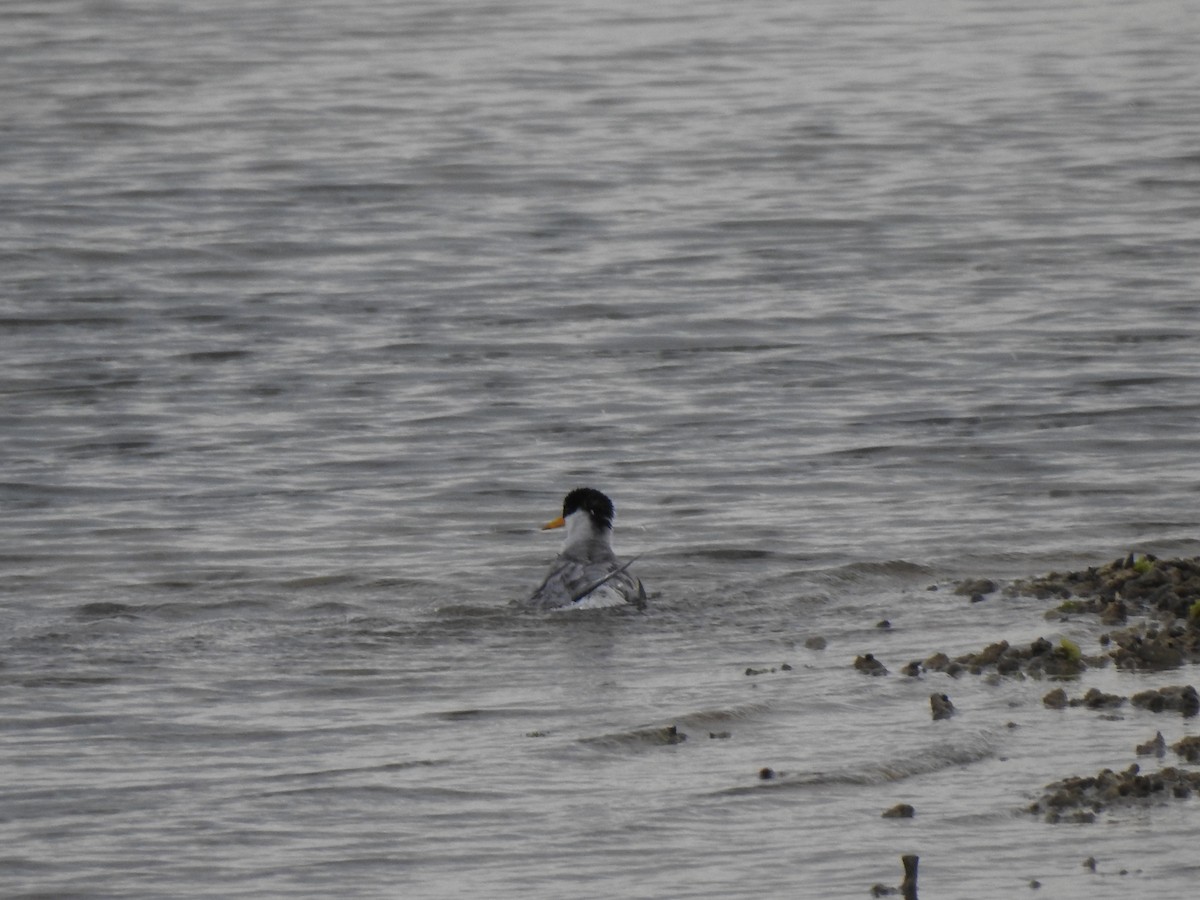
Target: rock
(913,669)
(815,643)
(1040,659)
(1167,590)
(1156,746)
(766,773)
(1149,648)
(941,706)
(991,654)
(1097,699)
(1177,698)
(900,811)
(884,625)
(975,587)
(1056,699)
(937,663)
(1079,799)
(1008,666)
(670,735)
(1114,613)
(1063,661)
(870,665)
(719,735)
(941,663)
(1188,748)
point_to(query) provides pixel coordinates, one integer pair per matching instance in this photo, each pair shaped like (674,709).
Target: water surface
(311,315)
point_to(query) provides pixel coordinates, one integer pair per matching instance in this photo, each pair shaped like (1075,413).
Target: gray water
(312,312)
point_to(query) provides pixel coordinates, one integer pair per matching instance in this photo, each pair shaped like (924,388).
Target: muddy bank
(1149,609)
(1163,595)
(1131,584)
(1080,799)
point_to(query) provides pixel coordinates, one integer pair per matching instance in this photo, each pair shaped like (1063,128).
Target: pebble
(1039,659)
(870,665)
(1056,699)
(1156,746)
(1188,748)
(1178,698)
(975,587)
(941,706)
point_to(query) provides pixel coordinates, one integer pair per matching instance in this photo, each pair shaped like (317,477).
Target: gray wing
(621,581)
(571,580)
(566,579)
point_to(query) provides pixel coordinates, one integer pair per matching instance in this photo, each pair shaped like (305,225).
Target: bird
(587,574)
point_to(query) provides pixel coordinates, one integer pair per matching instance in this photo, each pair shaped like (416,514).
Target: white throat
(582,531)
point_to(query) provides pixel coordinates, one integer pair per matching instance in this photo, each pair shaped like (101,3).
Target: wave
(677,732)
(887,570)
(923,761)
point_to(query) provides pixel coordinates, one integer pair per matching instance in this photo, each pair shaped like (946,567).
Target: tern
(587,574)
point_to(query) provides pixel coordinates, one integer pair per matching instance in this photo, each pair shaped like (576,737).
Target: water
(311,314)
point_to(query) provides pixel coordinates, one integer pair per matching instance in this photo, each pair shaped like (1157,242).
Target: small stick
(908,886)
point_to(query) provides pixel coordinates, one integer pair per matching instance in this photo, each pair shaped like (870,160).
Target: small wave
(601,598)
(107,610)
(471,715)
(924,763)
(705,717)
(468,611)
(637,739)
(878,570)
(731,554)
(678,731)
(389,792)
(319,774)
(920,762)
(330,608)
(319,581)
(62,680)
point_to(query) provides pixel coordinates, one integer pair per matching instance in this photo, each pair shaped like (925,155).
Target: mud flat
(1153,606)
(1080,799)
(1150,610)
(1161,596)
